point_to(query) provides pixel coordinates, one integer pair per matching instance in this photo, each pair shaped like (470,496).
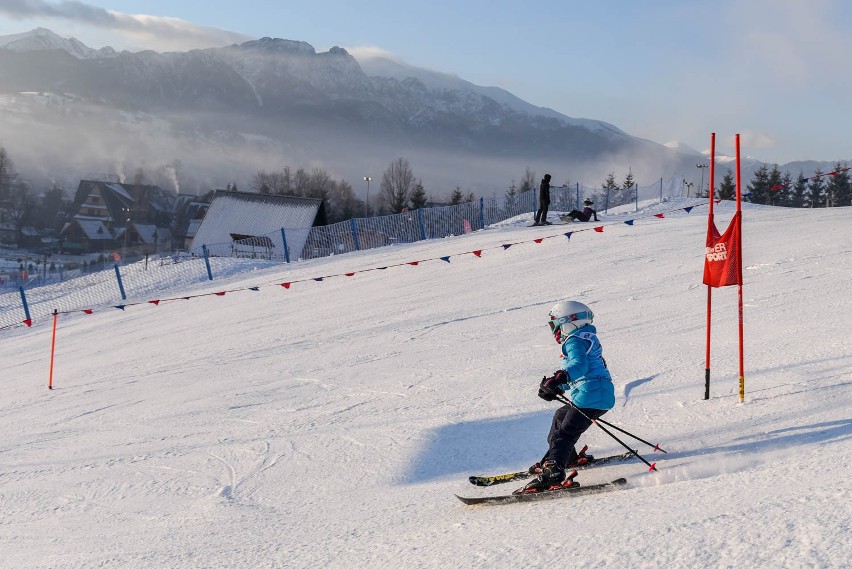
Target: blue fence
(36,298)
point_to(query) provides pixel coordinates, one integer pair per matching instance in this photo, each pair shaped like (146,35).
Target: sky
(664,70)
(329,424)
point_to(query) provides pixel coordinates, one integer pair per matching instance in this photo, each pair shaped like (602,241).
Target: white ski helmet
(567,316)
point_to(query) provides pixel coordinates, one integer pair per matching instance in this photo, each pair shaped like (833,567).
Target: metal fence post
(286,249)
(421,219)
(120,284)
(26,306)
(207,262)
(355,234)
(481,212)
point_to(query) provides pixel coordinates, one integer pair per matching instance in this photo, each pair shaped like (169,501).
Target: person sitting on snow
(587,214)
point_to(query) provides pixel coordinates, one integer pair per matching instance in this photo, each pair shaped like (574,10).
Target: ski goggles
(557,323)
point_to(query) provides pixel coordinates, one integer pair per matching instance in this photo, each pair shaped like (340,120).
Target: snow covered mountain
(220,115)
(42,39)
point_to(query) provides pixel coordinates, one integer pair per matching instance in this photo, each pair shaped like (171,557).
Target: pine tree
(816,190)
(610,183)
(728,187)
(417,199)
(7,174)
(785,192)
(512,192)
(758,188)
(457,196)
(838,187)
(774,186)
(797,194)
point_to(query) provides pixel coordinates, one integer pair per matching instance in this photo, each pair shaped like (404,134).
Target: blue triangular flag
(447,258)
(629,222)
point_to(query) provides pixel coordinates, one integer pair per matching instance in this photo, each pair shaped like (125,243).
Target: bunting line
(287,285)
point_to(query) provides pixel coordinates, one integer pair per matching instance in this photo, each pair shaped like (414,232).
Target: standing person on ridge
(584,379)
(544,202)
(587,214)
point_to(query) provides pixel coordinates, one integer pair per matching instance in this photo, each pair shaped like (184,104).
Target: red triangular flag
(539,240)
(478,252)
(599,229)
(88,311)
(660,215)
(350,274)
(414,263)
(28,322)
(285,285)
(154,302)
(219,293)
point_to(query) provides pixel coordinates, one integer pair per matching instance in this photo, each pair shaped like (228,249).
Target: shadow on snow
(482,447)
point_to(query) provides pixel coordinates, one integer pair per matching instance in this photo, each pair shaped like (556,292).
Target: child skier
(584,380)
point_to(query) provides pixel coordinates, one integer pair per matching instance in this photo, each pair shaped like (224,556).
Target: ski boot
(551,476)
(582,458)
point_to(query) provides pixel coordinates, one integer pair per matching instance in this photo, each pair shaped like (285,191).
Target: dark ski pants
(578,216)
(541,214)
(568,424)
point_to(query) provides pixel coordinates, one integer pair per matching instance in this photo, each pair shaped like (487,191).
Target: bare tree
(397,184)
(270,183)
(528,181)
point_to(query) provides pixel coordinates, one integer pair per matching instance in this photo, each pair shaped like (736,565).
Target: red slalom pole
(709,288)
(52,350)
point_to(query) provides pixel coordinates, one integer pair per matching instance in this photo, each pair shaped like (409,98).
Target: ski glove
(549,387)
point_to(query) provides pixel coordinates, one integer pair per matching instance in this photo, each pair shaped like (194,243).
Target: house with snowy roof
(112,214)
(257,225)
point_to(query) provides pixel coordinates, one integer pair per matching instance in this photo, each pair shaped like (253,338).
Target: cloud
(154,31)
(363,53)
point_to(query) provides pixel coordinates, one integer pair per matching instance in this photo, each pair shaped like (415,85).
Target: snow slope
(329,424)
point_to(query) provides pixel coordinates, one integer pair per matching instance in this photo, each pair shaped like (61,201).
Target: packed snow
(329,424)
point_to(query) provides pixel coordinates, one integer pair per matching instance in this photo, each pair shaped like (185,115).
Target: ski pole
(653,446)
(651,466)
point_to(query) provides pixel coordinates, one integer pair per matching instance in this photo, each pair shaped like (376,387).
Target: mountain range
(201,119)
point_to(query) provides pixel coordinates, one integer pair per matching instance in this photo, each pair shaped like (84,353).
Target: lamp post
(368,179)
(126,211)
(701,166)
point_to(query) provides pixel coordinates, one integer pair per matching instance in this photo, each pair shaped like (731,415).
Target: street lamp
(126,211)
(368,179)
(702,166)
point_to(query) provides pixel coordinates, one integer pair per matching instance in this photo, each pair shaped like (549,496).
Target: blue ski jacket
(589,382)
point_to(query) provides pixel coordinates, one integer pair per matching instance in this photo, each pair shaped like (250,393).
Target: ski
(545,495)
(521,475)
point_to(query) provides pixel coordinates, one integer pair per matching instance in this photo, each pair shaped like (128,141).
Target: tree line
(399,189)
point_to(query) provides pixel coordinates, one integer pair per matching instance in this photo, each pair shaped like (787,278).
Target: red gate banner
(722,262)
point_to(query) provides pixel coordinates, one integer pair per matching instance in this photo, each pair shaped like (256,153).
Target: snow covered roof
(256,214)
(150,233)
(119,189)
(94,229)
